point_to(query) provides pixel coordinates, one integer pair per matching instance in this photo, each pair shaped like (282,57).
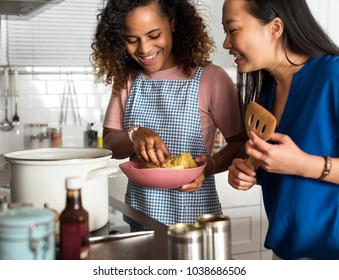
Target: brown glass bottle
(74,228)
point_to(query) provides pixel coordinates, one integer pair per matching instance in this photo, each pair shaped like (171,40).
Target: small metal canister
(56,137)
(27,234)
(217,236)
(185,242)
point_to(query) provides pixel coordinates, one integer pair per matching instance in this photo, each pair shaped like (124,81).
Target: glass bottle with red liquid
(74,228)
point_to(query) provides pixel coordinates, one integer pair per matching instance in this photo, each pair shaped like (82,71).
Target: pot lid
(58,154)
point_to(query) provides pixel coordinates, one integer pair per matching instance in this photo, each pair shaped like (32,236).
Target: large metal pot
(38,177)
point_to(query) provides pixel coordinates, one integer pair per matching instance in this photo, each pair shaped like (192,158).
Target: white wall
(213,16)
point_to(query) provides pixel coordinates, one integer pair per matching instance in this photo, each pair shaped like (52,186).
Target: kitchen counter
(146,247)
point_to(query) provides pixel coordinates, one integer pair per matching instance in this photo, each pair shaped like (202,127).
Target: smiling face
(254,45)
(148,38)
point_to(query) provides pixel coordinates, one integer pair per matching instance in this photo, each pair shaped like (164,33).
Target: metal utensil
(260,121)
(69,95)
(16,119)
(96,239)
(6,125)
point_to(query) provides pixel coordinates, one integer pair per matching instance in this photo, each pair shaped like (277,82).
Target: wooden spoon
(260,121)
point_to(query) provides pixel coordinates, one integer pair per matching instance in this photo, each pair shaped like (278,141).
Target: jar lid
(25,216)
(23,224)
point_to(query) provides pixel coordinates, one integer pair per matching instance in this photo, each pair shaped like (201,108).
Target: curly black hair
(192,44)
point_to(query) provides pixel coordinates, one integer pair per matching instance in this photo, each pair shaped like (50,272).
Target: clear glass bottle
(44,139)
(74,227)
(91,136)
(34,136)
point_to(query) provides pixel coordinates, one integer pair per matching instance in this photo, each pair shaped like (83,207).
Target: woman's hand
(283,157)
(240,176)
(197,183)
(149,147)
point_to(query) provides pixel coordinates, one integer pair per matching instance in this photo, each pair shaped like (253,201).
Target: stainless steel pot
(38,177)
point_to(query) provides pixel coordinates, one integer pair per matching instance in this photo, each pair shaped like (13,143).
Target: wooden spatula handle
(251,162)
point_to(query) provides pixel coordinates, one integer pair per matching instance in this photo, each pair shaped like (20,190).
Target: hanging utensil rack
(69,102)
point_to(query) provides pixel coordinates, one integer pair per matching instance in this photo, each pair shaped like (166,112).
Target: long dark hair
(192,44)
(302,35)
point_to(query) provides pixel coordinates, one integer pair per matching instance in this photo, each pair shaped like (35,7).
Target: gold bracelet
(131,131)
(327,167)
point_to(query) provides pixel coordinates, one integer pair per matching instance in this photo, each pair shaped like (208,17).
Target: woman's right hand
(240,176)
(149,147)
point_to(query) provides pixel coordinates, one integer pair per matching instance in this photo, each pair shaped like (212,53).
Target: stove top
(115,224)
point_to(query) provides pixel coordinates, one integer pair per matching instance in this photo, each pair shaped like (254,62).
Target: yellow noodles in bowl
(183,161)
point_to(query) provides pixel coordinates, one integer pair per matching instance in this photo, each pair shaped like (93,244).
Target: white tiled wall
(39,101)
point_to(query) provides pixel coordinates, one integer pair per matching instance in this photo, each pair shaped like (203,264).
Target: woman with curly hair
(168,98)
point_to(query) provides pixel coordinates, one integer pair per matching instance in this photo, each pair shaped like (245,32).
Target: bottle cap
(74,183)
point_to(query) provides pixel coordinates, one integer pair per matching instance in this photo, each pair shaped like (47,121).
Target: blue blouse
(303,213)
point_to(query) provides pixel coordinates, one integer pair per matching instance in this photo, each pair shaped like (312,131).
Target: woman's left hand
(197,183)
(283,157)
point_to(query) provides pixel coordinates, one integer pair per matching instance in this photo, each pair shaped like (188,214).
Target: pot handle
(101,171)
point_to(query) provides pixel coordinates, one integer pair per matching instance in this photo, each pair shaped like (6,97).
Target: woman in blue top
(289,65)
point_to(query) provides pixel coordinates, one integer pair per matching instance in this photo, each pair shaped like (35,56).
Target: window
(59,37)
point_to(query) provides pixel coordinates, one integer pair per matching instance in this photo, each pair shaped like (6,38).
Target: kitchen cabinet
(248,219)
